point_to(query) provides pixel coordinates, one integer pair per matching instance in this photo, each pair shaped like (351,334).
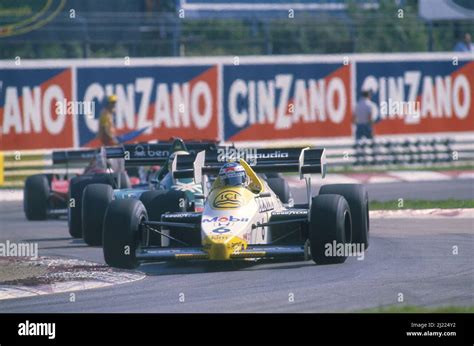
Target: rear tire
(95,200)
(147,196)
(36,197)
(121,232)
(330,221)
(358,199)
(76,189)
(281,188)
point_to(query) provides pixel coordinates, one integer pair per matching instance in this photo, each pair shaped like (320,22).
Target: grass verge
(421,204)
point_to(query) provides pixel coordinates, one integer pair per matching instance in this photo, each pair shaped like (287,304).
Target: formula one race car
(173,194)
(46,195)
(242,218)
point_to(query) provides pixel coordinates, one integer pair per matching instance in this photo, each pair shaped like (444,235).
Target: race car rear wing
(134,154)
(74,156)
(304,161)
(158,153)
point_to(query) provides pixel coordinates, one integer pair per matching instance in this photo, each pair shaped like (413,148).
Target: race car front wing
(188,253)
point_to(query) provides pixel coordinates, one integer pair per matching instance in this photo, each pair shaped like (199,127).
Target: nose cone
(226,220)
(220,247)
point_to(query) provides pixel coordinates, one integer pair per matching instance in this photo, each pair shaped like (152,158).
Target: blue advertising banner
(420,96)
(286,101)
(157,101)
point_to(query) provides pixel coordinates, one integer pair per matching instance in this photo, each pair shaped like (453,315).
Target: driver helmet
(233,174)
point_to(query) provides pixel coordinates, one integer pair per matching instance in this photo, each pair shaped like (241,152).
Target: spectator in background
(106,132)
(364,114)
(363,118)
(465,45)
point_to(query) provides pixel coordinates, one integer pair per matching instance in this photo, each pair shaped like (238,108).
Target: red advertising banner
(35,110)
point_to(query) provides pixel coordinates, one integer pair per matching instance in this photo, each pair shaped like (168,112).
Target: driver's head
(233,174)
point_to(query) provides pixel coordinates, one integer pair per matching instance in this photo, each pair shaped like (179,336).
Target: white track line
(423,213)
(11,195)
(419,175)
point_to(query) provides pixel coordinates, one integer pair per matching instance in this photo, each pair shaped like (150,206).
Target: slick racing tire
(121,232)
(158,203)
(358,199)
(147,196)
(35,197)
(281,188)
(95,200)
(330,221)
(76,189)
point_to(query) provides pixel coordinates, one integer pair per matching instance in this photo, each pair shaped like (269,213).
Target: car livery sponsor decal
(146,151)
(191,187)
(219,237)
(166,101)
(221,230)
(227,199)
(290,212)
(35,108)
(225,219)
(181,215)
(271,101)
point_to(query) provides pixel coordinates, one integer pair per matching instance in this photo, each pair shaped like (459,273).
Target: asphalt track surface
(409,256)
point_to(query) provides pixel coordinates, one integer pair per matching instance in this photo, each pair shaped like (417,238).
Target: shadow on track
(198,267)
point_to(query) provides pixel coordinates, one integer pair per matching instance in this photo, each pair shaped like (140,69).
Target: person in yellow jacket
(106,132)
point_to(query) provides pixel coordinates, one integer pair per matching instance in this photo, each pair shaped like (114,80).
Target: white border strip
(248,59)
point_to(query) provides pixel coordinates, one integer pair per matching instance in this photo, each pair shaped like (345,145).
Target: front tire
(121,232)
(95,200)
(330,224)
(358,199)
(36,197)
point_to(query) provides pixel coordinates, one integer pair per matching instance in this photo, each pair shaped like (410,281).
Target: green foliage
(358,30)
(389,29)
(422,204)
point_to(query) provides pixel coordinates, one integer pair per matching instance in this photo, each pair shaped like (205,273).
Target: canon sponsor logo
(438,97)
(175,105)
(270,102)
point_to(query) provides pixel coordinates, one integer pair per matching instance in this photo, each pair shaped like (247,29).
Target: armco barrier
(385,153)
